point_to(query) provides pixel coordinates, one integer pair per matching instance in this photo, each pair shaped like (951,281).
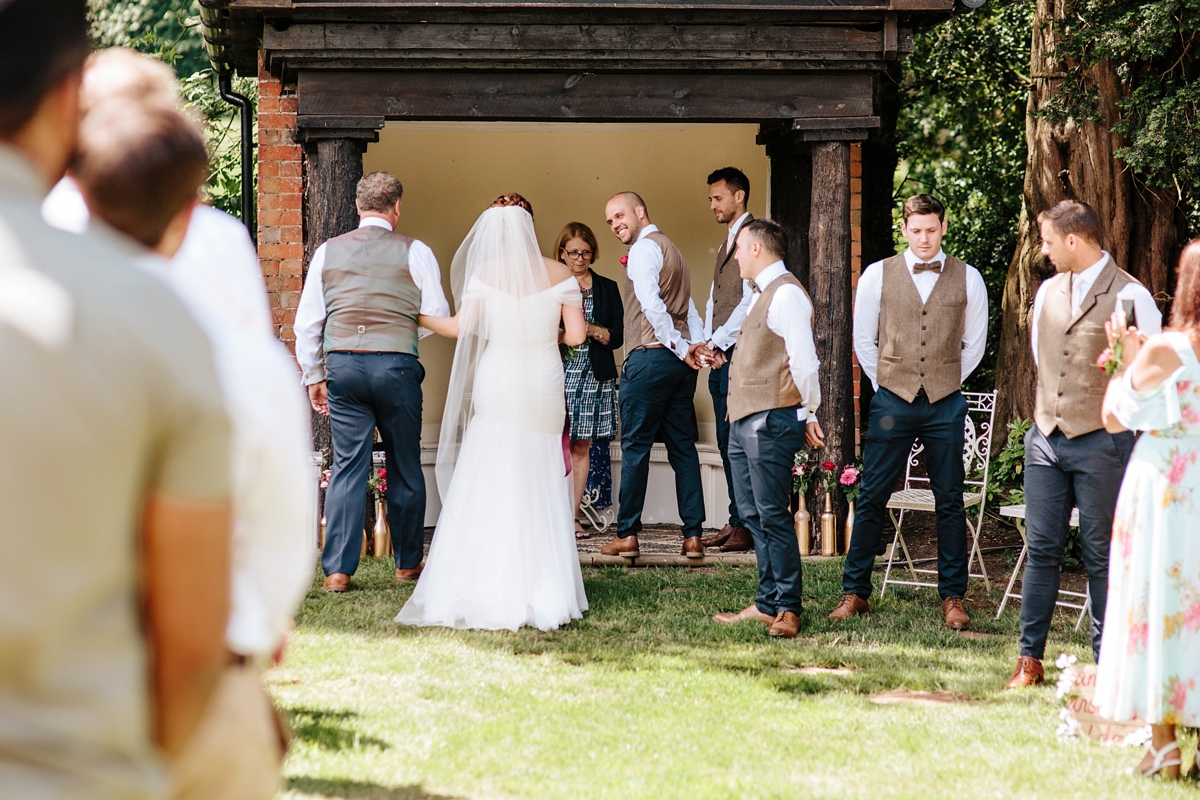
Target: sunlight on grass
(646,698)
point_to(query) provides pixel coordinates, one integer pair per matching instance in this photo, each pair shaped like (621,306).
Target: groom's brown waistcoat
(675,289)
(371,300)
(760,378)
(727,282)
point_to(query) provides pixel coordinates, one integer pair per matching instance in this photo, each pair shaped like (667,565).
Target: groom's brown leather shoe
(749,612)
(692,547)
(336,582)
(786,625)
(738,541)
(627,547)
(409,574)
(721,538)
(956,615)
(851,606)
(1029,673)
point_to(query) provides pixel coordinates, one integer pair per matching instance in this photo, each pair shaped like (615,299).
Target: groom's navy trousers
(894,426)
(718,389)
(657,391)
(369,391)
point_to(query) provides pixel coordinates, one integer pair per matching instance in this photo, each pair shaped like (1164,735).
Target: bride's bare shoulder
(557,271)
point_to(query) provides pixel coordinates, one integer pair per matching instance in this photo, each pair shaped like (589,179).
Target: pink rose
(1103,358)
(624,260)
(382,473)
(797,470)
(1191,617)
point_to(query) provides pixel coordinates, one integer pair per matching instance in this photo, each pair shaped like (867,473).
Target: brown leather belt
(648,347)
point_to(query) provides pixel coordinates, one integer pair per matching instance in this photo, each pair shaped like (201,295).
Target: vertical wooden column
(791,184)
(829,285)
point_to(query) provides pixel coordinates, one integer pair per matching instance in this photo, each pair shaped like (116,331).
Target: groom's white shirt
(725,336)
(644,267)
(311,312)
(790,318)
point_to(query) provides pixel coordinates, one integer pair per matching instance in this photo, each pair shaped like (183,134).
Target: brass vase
(383,534)
(365,550)
(849,525)
(828,528)
(803,523)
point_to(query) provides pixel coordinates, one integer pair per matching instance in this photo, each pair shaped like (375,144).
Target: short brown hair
(770,234)
(574,230)
(921,204)
(512,199)
(41,43)
(378,192)
(1185,309)
(139,166)
(1073,217)
(119,72)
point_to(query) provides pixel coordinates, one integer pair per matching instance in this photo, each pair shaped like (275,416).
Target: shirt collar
(1089,275)
(374,222)
(910,258)
(737,224)
(769,274)
(646,231)
(17,172)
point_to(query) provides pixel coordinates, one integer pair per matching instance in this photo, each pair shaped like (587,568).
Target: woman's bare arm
(442,326)
(1153,363)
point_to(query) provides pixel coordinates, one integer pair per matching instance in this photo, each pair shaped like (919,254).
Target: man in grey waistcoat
(356,342)
(1070,460)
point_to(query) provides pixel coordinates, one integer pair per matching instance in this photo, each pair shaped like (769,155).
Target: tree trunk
(1074,160)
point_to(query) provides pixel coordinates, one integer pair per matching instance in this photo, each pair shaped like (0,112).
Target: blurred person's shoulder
(218,267)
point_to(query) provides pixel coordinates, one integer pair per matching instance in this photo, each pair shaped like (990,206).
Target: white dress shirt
(790,318)
(644,267)
(311,312)
(869,297)
(1149,318)
(725,336)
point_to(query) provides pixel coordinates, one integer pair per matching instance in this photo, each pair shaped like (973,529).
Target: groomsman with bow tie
(920,325)
(773,399)
(728,193)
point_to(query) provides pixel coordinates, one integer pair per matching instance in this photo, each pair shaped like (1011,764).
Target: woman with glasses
(591,370)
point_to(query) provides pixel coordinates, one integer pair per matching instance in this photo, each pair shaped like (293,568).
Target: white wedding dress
(503,554)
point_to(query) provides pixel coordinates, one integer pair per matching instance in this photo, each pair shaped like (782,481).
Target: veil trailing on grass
(498,266)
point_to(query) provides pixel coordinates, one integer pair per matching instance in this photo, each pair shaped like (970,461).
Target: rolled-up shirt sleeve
(790,318)
(726,336)
(427,275)
(1149,317)
(309,327)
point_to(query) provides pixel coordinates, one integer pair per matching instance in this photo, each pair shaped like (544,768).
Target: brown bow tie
(932,266)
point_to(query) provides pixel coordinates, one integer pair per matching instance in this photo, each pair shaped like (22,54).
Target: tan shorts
(237,750)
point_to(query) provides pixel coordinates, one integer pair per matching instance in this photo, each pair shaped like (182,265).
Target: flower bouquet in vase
(828,519)
(801,478)
(382,538)
(851,481)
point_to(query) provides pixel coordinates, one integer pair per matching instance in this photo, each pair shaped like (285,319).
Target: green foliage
(961,136)
(1006,481)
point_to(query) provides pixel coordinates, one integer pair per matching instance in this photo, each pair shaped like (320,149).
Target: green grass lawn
(647,698)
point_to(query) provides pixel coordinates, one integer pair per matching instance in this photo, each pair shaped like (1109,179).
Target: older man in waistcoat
(773,399)
(663,333)
(920,325)
(728,193)
(356,341)
(1070,460)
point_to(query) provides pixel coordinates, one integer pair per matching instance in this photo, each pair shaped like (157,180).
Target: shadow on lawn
(331,730)
(357,790)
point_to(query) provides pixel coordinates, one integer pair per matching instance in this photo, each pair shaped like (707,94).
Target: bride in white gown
(504,551)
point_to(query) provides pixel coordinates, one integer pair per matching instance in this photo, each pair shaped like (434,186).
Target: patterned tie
(932,266)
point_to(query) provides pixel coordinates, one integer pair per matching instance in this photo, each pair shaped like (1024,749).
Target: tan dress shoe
(336,582)
(739,541)
(749,612)
(409,574)
(851,606)
(627,547)
(956,615)
(692,547)
(1029,673)
(786,625)
(719,539)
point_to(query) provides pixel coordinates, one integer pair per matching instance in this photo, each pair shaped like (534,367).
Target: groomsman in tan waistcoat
(1070,460)
(773,399)
(728,193)
(920,325)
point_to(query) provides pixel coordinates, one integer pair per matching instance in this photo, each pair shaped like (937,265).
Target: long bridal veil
(498,265)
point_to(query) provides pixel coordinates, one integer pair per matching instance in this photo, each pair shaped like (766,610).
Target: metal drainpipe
(243,104)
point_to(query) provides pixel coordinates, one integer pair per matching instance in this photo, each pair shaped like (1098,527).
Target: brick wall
(280,203)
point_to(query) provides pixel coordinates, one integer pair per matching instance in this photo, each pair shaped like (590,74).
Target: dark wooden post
(791,184)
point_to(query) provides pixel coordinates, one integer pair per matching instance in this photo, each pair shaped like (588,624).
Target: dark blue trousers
(657,391)
(718,387)
(369,391)
(762,448)
(1061,473)
(893,427)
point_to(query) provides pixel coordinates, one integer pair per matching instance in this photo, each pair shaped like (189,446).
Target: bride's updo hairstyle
(1185,310)
(512,199)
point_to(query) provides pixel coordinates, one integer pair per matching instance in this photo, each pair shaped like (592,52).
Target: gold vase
(849,525)
(321,534)
(803,523)
(383,534)
(365,550)
(828,529)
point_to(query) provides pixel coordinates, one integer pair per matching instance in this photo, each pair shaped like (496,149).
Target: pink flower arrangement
(378,483)
(851,481)
(801,473)
(849,476)
(624,260)
(325,478)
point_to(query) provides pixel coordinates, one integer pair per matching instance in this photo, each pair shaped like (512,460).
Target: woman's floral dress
(1150,652)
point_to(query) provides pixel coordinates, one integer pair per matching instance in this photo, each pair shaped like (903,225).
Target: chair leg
(977,553)
(1016,571)
(1087,609)
(887,572)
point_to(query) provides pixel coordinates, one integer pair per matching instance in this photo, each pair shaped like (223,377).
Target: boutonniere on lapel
(624,260)
(1109,361)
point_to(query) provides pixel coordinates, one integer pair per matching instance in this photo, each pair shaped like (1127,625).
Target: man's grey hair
(378,192)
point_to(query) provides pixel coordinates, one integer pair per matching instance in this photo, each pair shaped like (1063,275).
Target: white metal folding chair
(1017,515)
(916,496)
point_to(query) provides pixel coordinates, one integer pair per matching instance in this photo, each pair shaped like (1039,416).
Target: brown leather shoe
(738,541)
(336,582)
(721,537)
(851,606)
(692,548)
(786,625)
(627,547)
(749,612)
(409,574)
(956,615)
(1029,673)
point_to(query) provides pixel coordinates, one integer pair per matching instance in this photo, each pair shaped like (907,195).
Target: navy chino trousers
(718,387)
